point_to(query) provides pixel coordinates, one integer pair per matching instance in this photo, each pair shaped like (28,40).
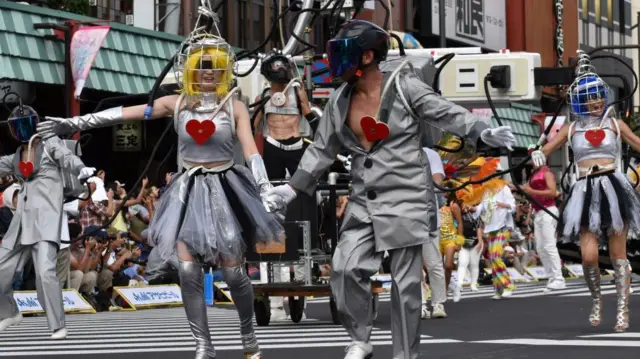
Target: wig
(221,61)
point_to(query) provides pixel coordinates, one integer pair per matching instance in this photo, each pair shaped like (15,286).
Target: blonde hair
(220,58)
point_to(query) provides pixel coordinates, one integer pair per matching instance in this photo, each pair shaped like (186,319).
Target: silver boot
(592,277)
(622,274)
(192,287)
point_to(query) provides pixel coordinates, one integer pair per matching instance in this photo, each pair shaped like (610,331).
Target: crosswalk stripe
(569,342)
(167,330)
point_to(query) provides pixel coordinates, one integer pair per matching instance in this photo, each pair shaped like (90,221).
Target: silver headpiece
(205,62)
(588,96)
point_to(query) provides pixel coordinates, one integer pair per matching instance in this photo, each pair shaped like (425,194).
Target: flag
(85,44)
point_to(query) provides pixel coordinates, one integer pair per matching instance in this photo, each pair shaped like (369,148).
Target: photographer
(113,260)
(84,261)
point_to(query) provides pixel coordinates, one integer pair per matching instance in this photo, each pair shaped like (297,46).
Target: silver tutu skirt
(217,215)
(601,204)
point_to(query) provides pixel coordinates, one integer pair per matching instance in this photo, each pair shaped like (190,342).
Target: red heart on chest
(374,130)
(201,131)
(26,168)
(595,137)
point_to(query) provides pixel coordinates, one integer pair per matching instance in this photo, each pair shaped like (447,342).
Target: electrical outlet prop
(462,79)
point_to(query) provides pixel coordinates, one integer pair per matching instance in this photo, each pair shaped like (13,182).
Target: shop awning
(129,61)
(518,116)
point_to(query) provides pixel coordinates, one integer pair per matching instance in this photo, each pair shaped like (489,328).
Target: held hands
(277,198)
(538,158)
(54,126)
(86,173)
(501,136)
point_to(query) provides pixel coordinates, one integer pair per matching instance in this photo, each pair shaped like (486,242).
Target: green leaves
(80,7)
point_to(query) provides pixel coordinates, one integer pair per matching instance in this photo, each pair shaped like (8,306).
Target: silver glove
(256,165)
(55,126)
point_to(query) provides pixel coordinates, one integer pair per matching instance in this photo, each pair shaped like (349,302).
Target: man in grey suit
(36,225)
(392,205)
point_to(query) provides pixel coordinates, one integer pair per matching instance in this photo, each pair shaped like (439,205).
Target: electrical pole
(443,24)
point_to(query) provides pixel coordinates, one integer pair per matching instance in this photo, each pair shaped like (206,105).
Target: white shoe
(555,285)
(359,350)
(59,334)
(474,288)
(426,314)
(278,315)
(438,311)
(6,323)
(457,294)
(496,297)
(507,293)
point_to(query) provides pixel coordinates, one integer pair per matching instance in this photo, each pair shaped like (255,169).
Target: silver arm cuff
(256,165)
(106,118)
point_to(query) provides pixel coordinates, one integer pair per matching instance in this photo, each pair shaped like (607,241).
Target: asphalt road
(531,324)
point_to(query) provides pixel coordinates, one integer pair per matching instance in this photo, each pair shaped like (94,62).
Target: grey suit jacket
(392,186)
(40,201)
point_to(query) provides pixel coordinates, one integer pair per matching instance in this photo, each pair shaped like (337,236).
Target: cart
(297,292)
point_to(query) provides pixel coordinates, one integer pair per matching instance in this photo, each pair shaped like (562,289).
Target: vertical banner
(85,45)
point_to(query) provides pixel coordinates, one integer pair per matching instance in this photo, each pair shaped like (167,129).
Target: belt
(588,171)
(191,170)
(293,147)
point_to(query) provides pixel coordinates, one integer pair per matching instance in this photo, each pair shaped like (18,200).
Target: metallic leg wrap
(592,277)
(192,285)
(622,273)
(242,294)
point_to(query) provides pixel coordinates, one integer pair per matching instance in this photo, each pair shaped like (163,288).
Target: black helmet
(276,67)
(352,40)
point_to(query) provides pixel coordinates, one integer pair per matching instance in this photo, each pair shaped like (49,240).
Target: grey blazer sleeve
(430,106)
(319,156)
(63,156)
(6,165)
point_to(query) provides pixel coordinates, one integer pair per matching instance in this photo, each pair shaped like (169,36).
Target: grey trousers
(354,262)
(48,287)
(432,259)
(63,267)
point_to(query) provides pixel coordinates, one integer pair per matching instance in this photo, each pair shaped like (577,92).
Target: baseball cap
(95,231)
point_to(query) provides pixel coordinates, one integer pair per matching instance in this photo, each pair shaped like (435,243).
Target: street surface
(531,324)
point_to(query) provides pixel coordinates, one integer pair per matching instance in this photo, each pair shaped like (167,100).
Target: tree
(81,7)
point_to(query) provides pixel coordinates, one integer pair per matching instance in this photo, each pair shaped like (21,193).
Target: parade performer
(36,225)
(602,202)
(451,234)
(213,211)
(542,187)
(284,124)
(391,206)
(496,212)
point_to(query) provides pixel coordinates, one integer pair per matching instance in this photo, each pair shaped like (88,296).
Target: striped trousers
(497,240)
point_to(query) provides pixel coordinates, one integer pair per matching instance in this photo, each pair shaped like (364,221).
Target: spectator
(95,213)
(64,254)
(10,201)
(84,262)
(113,261)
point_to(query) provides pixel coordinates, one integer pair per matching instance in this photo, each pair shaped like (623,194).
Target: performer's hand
(538,158)
(277,198)
(54,126)
(499,137)
(86,173)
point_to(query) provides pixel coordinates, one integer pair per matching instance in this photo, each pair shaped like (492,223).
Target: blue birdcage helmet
(588,95)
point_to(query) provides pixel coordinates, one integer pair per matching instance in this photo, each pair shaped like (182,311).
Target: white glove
(54,126)
(277,198)
(86,173)
(346,162)
(499,137)
(538,158)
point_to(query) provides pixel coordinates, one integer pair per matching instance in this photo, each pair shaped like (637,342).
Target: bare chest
(359,108)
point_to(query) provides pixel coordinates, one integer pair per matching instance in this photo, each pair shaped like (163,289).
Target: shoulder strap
(176,112)
(232,117)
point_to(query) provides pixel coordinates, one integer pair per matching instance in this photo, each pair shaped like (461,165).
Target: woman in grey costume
(602,201)
(213,211)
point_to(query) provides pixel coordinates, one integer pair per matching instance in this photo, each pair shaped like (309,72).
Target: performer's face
(596,107)
(207,77)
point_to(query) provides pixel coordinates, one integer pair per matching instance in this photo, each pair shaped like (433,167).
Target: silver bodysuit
(219,147)
(584,150)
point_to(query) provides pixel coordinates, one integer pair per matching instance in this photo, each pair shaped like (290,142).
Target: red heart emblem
(374,130)
(201,131)
(595,137)
(26,168)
